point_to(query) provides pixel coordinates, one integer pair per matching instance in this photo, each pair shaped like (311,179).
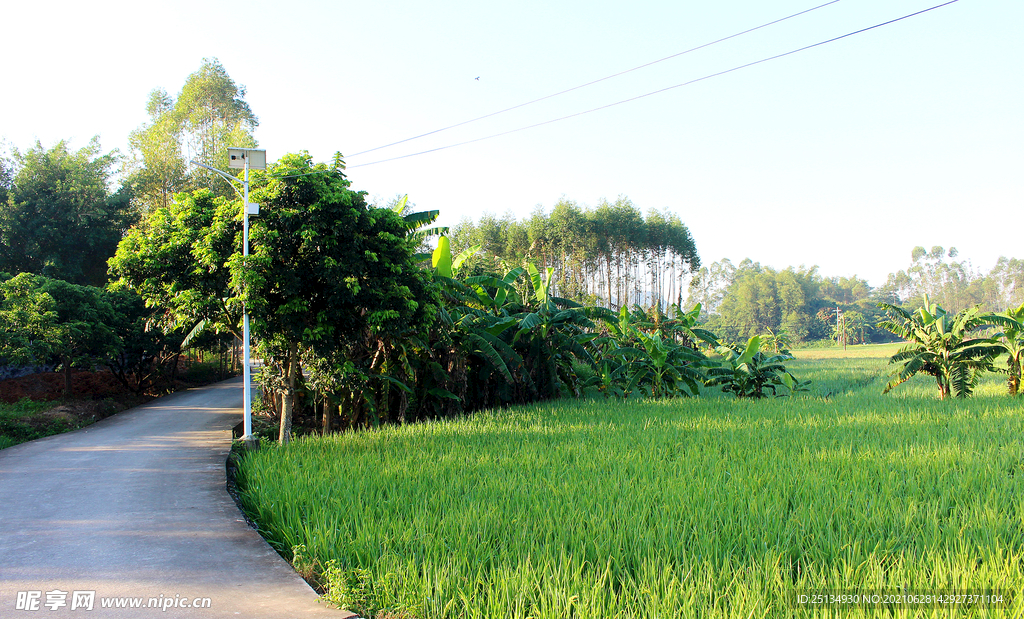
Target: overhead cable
(562,92)
(661,90)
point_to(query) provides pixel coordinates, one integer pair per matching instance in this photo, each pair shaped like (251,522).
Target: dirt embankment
(94,395)
(49,386)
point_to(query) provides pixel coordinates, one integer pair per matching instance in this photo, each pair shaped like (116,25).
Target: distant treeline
(740,301)
(614,256)
(608,255)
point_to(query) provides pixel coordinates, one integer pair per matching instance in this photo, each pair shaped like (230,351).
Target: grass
(709,507)
(22,421)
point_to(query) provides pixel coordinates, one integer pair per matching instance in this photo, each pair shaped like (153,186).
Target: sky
(845,156)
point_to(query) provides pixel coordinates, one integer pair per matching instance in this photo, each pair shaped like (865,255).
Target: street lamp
(246,159)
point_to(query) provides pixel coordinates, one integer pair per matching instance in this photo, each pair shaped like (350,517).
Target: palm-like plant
(938,344)
(651,354)
(1011,342)
(552,332)
(669,369)
(750,373)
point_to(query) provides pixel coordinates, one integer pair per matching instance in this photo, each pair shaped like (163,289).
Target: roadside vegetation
(15,422)
(712,506)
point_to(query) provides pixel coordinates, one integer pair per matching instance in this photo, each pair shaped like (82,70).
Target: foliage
(416,223)
(178,262)
(59,218)
(328,277)
(753,300)
(515,340)
(50,319)
(28,322)
(23,421)
(654,354)
(1010,341)
(81,333)
(144,355)
(208,115)
(6,177)
(157,168)
(748,372)
(953,283)
(939,344)
(777,343)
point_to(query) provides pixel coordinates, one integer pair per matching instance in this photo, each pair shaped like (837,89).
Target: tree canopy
(208,115)
(60,218)
(327,272)
(178,261)
(951,282)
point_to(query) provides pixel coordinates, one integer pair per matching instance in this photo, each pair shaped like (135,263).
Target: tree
(936,274)
(60,218)
(1007,279)
(157,168)
(327,273)
(50,319)
(609,252)
(177,261)
(143,351)
(708,286)
(938,344)
(6,178)
(82,333)
(212,115)
(751,304)
(208,115)
(28,321)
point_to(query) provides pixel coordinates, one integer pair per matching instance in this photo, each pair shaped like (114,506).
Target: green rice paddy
(706,507)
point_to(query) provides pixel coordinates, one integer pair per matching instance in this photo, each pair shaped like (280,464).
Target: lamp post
(246,159)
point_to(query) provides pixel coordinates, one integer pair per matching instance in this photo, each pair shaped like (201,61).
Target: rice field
(706,507)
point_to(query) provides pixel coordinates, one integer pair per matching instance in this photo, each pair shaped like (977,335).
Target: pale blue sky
(845,156)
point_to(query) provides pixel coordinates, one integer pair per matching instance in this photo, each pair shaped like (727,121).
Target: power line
(515,107)
(693,81)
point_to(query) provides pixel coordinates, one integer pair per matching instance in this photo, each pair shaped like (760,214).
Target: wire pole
(839,336)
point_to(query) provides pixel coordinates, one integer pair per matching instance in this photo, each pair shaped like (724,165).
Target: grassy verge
(27,420)
(708,507)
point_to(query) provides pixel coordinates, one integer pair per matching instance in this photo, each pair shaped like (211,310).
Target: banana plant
(1011,342)
(497,295)
(415,224)
(686,327)
(939,344)
(671,369)
(442,261)
(656,356)
(611,377)
(776,342)
(748,372)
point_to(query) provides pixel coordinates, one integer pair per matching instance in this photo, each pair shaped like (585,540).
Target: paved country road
(134,508)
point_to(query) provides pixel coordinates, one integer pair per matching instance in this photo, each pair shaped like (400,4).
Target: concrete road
(134,509)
